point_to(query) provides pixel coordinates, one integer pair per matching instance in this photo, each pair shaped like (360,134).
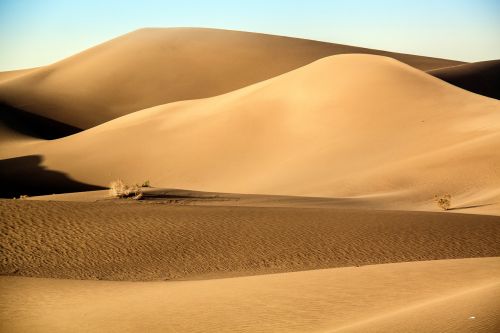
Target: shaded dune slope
(432,297)
(343,126)
(128,240)
(480,77)
(16,123)
(149,67)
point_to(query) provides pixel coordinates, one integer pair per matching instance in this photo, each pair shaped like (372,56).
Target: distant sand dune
(8,75)
(357,126)
(149,67)
(480,77)
(434,296)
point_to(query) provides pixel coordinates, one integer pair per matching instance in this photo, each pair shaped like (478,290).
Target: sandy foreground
(204,263)
(157,240)
(431,296)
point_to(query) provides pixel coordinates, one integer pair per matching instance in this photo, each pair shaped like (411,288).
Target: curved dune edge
(9,75)
(431,296)
(347,126)
(479,77)
(150,67)
(201,198)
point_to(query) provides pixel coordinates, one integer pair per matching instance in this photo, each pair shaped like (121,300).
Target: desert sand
(346,126)
(480,77)
(149,67)
(433,296)
(293,186)
(155,240)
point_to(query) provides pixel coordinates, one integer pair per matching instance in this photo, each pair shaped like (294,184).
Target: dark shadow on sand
(27,176)
(33,125)
(482,78)
(471,206)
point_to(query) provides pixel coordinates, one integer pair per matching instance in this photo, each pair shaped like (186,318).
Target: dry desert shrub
(443,201)
(146,183)
(118,189)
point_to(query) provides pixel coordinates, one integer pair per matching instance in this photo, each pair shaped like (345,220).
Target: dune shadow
(472,206)
(27,176)
(34,125)
(168,194)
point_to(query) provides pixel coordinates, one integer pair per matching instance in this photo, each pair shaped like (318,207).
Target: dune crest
(343,126)
(480,77)
(149,67)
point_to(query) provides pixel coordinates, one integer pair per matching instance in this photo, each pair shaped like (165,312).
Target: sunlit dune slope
(9,75)
(346,125)
(459,296)
(149,67)
(480,77)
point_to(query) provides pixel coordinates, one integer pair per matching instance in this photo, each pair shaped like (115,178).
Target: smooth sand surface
(9,75)
(152,240)
(346,126)
(431,296)
(149,67)
(480,77)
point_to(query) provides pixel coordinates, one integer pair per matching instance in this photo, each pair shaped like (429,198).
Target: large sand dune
(344,126)
(459,296)
(480,77)
(149,67)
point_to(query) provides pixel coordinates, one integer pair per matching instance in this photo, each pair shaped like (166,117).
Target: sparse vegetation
(443,201)
(119,189)
(23,196)
(146,183)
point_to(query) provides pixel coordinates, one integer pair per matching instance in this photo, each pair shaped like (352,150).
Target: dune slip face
(480,77)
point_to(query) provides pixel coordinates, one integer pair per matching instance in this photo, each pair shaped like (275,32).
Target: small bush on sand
(118,189)
(146,183)
(23,196)
(443,201)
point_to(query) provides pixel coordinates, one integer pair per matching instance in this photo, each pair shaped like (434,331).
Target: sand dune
(433,296)
(130,240)
(480,77)
(309,178)
(149,67)
(9,75)
(451,313)
(358,126)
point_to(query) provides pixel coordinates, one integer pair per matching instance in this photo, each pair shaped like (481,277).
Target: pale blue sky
(35,33)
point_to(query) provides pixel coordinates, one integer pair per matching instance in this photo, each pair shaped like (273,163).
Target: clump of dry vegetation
(146,183)
(118,189)
(443,201)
